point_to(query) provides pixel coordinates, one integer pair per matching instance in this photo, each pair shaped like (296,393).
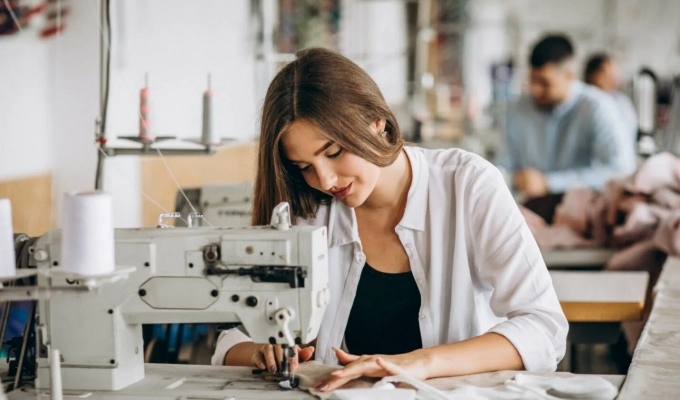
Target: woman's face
(329,168)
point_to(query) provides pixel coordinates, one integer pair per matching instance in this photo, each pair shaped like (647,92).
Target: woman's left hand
(377,366)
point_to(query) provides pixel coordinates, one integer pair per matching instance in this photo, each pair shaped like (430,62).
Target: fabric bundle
(642,207)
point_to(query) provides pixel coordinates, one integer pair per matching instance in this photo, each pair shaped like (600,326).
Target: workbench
(601,296)
(187,382)
(577,258)
(653,373)
(655,370)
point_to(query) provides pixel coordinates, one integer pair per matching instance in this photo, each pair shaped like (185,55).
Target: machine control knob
(211,253)
(251,301)
(40,255)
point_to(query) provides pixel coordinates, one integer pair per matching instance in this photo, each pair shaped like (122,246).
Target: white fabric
(521,387)
(473,257)
(383,393)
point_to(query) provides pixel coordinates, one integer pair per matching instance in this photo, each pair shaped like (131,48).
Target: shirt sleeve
(225,342)
(613,153)
(507,258)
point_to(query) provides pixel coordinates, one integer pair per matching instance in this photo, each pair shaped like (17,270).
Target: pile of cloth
(500,385)
(638,215)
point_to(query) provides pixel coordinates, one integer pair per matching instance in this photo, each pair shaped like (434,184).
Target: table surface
(601,296)
(165,382)
(577,258)
(655,369)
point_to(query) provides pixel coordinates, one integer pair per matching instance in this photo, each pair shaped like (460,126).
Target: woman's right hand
(268,357)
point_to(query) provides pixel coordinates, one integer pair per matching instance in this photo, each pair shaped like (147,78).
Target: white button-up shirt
(471,253)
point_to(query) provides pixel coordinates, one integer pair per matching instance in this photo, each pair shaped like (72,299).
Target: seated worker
(433,271)
(564,133)
(600,72)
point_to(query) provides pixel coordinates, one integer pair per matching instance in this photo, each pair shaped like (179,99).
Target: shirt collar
(342,221)
(416,203)
(572,99)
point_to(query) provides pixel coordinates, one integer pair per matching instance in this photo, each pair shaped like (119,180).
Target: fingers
(390,368)
(295,360)
(301,355)
(306,353)
(269,357)
(278,352)
(259,361)
(333,383)
(344,357)
(363,367)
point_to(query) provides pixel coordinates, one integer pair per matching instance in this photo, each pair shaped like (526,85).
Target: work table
(166,382)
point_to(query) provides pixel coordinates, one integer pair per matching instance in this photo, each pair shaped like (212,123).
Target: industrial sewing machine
(272,279)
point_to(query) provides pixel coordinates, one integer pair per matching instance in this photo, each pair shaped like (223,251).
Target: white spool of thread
(87,243)
(209,135)
(56,392)
(7,263)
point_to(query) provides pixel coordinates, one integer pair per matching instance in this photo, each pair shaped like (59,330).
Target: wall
(26,130)
(25,119)
(74,101)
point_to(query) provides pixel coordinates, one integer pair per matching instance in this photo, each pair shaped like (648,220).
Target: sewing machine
(272,279)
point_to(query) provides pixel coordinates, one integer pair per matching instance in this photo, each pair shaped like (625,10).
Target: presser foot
(286,382)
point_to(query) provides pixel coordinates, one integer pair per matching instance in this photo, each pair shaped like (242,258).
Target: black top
(384,316)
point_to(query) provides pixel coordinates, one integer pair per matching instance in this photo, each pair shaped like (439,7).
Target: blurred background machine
(221,204)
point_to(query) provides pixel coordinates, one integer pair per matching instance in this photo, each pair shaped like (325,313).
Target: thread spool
(209,135)
(145,112)
(7,262)
(87,243)
(56,392)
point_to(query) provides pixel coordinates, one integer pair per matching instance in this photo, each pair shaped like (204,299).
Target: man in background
(601,72)
(564,133)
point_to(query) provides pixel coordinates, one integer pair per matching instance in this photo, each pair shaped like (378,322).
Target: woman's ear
(379,126)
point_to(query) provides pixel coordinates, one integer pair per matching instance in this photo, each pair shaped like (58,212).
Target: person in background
(564,133)
(601,72)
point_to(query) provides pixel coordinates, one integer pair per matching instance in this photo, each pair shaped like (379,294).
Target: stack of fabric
(638,214)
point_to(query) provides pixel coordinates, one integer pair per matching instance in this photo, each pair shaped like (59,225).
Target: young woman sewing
(433,271)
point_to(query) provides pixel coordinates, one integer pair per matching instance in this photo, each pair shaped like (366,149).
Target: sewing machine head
(272,280)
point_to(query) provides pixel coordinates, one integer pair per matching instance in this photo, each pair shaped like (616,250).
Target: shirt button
(399,229)
(420,281)
(408,245)
(359,256)
(422,316)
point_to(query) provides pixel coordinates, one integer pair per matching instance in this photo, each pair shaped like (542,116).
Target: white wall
(25,118)
(74,69)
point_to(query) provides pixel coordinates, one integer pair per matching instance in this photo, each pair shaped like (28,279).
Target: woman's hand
(378,366)
(269,357)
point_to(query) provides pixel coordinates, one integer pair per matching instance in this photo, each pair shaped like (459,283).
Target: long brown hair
(330,91)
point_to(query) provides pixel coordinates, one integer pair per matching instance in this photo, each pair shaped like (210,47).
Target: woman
(431,263)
